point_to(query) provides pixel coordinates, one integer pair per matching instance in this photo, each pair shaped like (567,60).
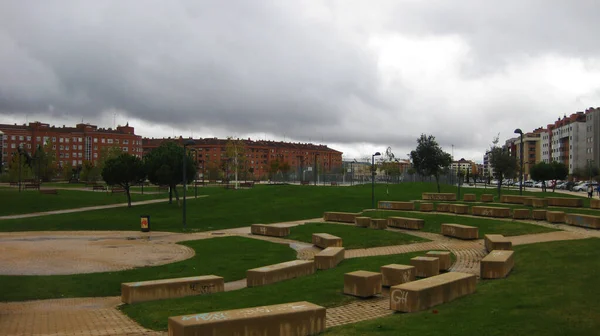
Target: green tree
(235,150)
(124,170)
(541,171)
(164,165)
(90,172)
(44,163)
(106,153)
(560,171)
(67,171)
(17,164)
(429,158)
(504,164)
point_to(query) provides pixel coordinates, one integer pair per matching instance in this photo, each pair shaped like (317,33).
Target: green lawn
(433,223)
(28,201)
(323,288)
(228,257)
(353,237)
(551,291)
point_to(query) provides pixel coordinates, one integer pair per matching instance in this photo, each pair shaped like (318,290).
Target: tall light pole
(20,150)
(315,170)
(373,179)
(189,142)
(518,131)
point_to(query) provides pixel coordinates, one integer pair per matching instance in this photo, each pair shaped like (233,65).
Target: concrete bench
(297,318)
(304,182)
(565,202)
(460,209)
(594,203)
(426,266)
(512,199)
(538,214)
(528,201)
(117,191)
(325,240)
(444,257)
(49,191)
(406,223)
(487,198)
(329,258)
(31,186)
(442,207)
(98,187)
(539,203)
(362,221)
(135,292)
(395,274)
(269,230)
(555,216)
(389,205)
(279,272)
(438,196)
(362,284)
(496,242)
(378,223)
(345,217)
(460,231)
(485,211)
(426,293)
(469,198)
(426,207)
(497,264)
(521,214)
(587,221)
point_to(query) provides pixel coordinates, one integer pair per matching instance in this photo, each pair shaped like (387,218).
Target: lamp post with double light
(189,142)
(518,131)
(373,179)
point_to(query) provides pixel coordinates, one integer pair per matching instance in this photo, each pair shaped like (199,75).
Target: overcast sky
(358,76)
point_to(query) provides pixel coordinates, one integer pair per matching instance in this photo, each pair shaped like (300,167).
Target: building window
(61,140)
(80,162)
(81,155)
(54,147)
(75,163)
(67,156)
(67,140)
(96,155)
(125,149)
(95,140)
(81,147)
(102,140)
(109,141)
(53,139)
(29,138)
(126,142)
(13,146)
(80,140)
(74,139)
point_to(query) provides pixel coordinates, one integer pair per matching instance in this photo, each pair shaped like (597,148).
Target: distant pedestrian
(598,190)
(590,191)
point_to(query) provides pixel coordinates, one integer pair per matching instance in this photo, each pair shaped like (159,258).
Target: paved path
(100,316)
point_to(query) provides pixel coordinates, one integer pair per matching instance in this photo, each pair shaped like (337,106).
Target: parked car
(584,186)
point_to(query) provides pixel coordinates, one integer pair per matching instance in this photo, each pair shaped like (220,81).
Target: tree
(124,170)
(67,171)
(107,153)
(164,165)
(559,172)
(17,164)
(90,172)
(43,162)
(504,164)
(541,172)
(236,155)
(429,158)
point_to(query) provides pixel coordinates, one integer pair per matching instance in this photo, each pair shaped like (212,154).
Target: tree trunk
(176,193)
(499,187)
(170,195)
(128,195)
(437,181)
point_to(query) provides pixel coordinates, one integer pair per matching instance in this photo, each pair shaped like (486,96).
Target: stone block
(329,258)
(540,202)
(395,274)
(426,207)
(135,292)
(571,202)
(497,242)
(393,205)
(325,240)
(426,266)
(512,199)
(594,203)
(296,318)
(444,257)
(497,264)
(487,198)
(363,221)
(528,201)
(345,217)
(555,216)
(521,214)
(442,207)
(378,223)
(538,214)
(486,211)
(460,231)
(406,223)
(427,293)
(460,209)
(587,221)
(438,196)
(269,230)
(362,283)
(469,198)
(279,272)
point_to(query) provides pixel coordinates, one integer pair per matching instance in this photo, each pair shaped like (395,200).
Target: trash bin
(145,223)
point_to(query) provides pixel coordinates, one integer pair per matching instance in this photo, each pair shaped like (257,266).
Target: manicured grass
(28,201)
(323,288)
(228,257)
(551,291)
(352,236)
(433,223)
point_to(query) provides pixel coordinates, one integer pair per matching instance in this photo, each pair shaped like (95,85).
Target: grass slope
(551,291)
(228,257)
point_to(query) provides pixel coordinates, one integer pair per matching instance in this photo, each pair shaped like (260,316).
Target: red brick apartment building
(259,154)
(72,144)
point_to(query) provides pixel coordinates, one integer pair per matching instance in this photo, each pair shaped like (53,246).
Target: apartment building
(211,153)
(592,136)
(72,144)
(531,149)
(465,166)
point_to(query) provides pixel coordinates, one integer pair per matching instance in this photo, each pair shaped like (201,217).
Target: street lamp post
(189,142)
(19,150)
(373,179)
(315,169)
(518,131)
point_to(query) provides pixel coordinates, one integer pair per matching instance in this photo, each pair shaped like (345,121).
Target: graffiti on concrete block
(400,297)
